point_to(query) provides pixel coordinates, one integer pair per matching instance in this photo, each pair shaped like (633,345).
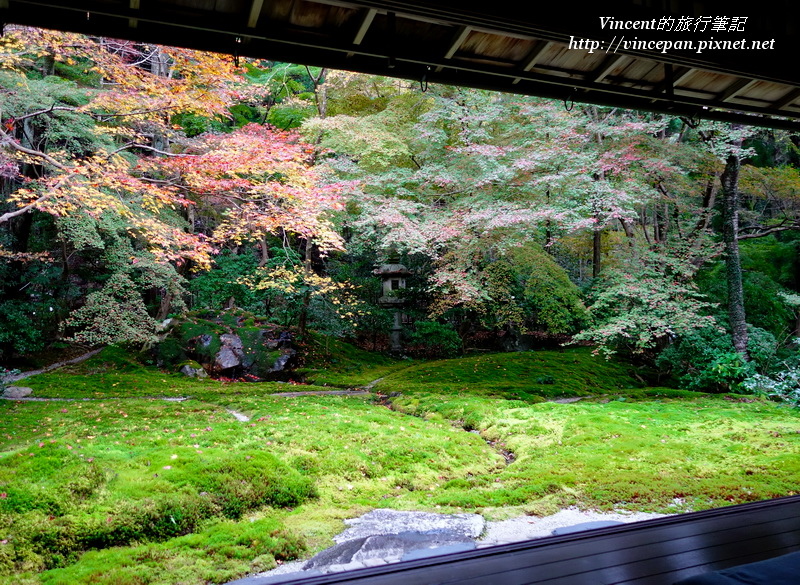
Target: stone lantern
(394,279)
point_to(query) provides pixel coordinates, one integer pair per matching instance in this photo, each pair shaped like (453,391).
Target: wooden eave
(504,46)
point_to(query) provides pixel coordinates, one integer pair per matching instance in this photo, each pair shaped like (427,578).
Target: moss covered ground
(120,486)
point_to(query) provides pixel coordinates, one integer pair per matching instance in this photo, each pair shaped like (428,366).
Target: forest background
(139,182)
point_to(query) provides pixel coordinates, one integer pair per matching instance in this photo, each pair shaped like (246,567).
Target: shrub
(432,339)
(151,519)
(704,359)
(24,333)
(784,385)
(114,314)
(765,300)
(43,541)
(637,311)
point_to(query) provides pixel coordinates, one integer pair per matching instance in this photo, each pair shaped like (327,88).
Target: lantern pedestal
(394,279)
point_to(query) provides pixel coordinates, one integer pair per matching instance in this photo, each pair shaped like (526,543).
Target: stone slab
(274,579)
(14,392)
(447,549)
(585,526)
(384,521)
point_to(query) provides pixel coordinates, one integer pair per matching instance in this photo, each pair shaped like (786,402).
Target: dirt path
(363,392)
(77,360)
(236,414)
(371,385)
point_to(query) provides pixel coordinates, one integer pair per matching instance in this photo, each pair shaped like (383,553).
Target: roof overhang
(505,46)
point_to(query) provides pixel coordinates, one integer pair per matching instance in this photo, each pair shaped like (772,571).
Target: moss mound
(527,375)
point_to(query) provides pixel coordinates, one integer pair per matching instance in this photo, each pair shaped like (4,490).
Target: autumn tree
(89,127)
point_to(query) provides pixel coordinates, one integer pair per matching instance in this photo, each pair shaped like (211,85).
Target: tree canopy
(140,181)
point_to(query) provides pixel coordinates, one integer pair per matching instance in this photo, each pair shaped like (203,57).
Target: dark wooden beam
(255,13)
(606,67)
(402,54)
(787,99)
(458,39)
(368,16)
(134,5)
(736,88)
(530,60)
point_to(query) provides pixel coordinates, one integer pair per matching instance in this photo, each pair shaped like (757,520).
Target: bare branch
(103,117)
(769,231)
(45,111)
(6,140)
(144,146)
(22,210)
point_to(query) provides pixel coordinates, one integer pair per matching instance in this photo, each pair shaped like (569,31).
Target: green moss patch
(573,372)
(122,489)
(220,553)
(333,362)
(666,455)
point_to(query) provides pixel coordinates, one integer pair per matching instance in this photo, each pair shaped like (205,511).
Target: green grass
(573,372)
(115,373)
(98,475)
(126,489)
(655,455)
(220,553)
(333,362)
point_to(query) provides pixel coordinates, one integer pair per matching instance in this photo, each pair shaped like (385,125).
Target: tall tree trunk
(548,228)
(596,253)
(709,200)
(320,91)
(165,304)
(264,251)
(733,264)
(159,62)
(307,270)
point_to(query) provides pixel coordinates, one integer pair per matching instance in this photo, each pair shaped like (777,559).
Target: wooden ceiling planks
(506,46)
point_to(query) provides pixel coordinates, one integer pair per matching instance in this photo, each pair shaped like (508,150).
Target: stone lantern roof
(391,270)
(393,276)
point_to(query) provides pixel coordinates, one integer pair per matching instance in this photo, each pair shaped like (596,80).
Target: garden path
(77,360)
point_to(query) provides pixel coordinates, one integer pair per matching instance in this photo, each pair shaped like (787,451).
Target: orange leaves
(264,181)
(105,183)
(170,244)
(157,82)
(148,83)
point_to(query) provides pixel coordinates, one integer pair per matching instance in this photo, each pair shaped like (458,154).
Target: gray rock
(192,372)
(283,359)
(376,562)
(388,548)
(383,521)
(447,549)
(230,354)
(206,339)
(336,555)
(351,566)
(226,358)
(15,392)
(232,341)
